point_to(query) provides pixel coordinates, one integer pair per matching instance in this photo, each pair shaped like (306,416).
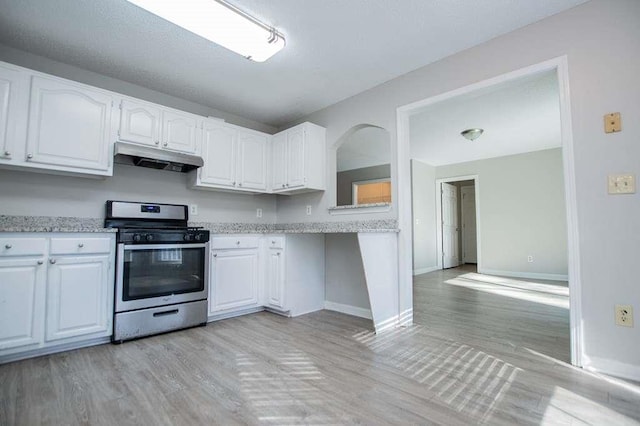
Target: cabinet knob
(278,253)
(240,184)
(7,154)
(7,246)
(157,142)
(80,245)
(238,242)
(165,144)
(273,242)
(215,255)
(233,183)
(283,185)
(52,261)
(29,156)
(40,262)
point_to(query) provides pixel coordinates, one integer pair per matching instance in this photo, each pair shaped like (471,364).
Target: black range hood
(154,158)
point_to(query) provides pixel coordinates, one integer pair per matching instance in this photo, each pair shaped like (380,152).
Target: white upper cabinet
(69,127)
(179,131)
(252,160)
(14,104)
(234,158)
(139,123)
(219,154)
(298,160)
(149,124)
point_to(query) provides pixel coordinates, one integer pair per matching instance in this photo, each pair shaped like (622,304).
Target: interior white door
(449,195)
(468,216)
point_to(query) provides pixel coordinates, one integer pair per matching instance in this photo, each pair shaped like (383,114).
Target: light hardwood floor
(321,368)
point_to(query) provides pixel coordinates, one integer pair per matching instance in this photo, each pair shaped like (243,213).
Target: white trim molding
(530,275)
(348,309)
(425,270)
(613,368)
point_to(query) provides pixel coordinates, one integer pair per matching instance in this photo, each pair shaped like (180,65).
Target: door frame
(403,155)
(476,180)
(463,231)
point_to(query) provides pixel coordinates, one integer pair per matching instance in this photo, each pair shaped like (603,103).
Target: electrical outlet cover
(622,184)
(624,315)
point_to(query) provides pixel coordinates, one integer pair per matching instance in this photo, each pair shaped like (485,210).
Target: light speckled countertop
(78,224)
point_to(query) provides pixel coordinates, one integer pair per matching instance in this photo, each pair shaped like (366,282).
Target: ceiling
(517,117)
(335,48)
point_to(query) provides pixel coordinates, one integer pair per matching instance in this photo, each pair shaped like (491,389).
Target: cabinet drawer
(80,245)
(234,242)
(275,242)
(22,246)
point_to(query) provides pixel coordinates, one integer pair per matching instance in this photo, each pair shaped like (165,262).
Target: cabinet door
(139,123)
(275,278)
(219,154)
(22,288)
(69,125)
(279,162)
(14,98)
(78,297)
(252,160)
(234,279)
(295,157)
(179,132)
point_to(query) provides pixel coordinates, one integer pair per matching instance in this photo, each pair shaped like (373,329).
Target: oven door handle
(163,246)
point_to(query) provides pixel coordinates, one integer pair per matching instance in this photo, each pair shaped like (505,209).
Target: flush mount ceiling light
(472,134)
(220,23)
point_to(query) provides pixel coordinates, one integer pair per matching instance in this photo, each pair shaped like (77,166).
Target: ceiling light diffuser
(472,134)
(220,23)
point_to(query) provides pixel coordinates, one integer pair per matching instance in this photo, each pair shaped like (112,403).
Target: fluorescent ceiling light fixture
(220,23)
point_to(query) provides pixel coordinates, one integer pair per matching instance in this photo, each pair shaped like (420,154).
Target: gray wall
(346,178)
(345,282)
(600,39)
(423,178)
(522,211)
(37,194)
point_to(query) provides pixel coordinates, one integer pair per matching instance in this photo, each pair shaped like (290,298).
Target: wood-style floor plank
(473,357)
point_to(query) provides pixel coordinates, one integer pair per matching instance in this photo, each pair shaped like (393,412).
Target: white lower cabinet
(56,290)
(283,274)
(77,292)
(275,274)
(235,278)
(22,294)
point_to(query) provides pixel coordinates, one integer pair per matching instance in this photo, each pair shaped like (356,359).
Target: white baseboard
(232,314)
(530,275)
(54,349)
(425,270)
(613,368)
(348,309)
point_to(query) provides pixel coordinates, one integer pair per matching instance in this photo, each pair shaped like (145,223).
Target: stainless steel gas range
(161,269)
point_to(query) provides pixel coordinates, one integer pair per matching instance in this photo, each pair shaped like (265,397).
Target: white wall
(345,282)
(37,194)
(522,212)
(424,217)
(600,39)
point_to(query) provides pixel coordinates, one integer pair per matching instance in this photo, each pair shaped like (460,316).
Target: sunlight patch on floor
(546,294)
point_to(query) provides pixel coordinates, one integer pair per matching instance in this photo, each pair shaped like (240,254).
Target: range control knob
(188,237)
(149,237)
(199,237)
(136,237)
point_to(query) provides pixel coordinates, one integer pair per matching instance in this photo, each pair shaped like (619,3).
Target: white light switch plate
(622,184)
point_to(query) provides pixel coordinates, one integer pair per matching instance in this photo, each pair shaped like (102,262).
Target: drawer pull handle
(52,261)
(7,246)
(80,245)
(164,313)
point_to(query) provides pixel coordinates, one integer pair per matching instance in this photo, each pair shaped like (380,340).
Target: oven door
(160,274)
